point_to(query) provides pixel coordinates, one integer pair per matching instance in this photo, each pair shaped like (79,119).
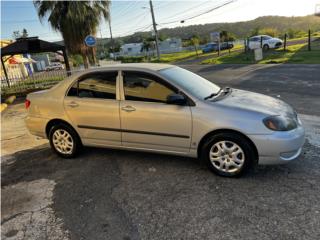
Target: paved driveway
(108,194)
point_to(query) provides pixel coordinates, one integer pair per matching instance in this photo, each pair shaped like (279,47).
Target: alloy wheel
(62,141)
(227,156)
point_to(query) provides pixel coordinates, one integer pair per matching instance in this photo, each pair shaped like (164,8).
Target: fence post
(309,40)
(5,72)
(285,42)
(245,45)
(261,42)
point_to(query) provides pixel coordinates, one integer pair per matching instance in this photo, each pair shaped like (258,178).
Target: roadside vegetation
(294,54)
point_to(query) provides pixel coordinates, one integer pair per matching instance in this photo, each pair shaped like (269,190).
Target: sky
(128,17)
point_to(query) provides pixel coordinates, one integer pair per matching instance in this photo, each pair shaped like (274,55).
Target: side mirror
(176,99)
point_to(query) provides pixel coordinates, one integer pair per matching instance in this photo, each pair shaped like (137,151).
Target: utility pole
(112,43)
(155,29)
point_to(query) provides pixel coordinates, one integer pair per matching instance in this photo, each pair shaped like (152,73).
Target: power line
(188,9)
(203,13)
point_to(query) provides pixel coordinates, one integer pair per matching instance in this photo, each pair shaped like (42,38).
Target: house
(131,49)
(170,45)
(17,66)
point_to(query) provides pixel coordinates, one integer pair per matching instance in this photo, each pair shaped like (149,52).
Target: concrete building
(170,45)
(131,49)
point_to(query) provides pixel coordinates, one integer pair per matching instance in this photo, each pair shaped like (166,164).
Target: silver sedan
(165,109)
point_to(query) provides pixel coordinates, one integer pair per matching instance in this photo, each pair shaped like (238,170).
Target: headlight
(280,123)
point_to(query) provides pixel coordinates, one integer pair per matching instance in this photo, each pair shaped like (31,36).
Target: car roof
(261,36)
(131,66)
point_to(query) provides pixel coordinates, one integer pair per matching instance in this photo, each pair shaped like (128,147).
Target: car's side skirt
(133,131)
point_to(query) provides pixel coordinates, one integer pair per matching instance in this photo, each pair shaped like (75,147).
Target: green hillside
(239,29)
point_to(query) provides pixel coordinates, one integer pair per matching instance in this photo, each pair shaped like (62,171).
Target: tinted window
(266,37)
(255,39)
(145,87)
(97,85)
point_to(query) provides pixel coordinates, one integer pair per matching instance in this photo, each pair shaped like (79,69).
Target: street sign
(215,36)
(90,41)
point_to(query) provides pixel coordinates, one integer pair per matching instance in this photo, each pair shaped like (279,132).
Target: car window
(194,84)
(145,87)
(97,85)
(266,37)
(254,39)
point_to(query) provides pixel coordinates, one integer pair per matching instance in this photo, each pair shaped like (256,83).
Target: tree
(74,20)
(16,34)
(147,45)
(273,32)
(226,36)
(24,33)
(195,42)
(255,31)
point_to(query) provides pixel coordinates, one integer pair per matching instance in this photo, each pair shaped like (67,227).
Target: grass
(189,55)
(294,54)
(174,57)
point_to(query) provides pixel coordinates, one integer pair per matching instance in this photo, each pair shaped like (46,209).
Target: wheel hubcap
(62,141)
(227,156)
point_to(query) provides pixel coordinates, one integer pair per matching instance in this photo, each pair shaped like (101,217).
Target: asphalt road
(108,194)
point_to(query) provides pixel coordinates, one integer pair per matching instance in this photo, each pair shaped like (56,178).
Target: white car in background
(54,66)
(267,42)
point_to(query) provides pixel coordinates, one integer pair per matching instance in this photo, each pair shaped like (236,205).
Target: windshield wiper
(224,90)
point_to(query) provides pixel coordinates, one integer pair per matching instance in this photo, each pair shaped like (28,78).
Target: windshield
(192,83)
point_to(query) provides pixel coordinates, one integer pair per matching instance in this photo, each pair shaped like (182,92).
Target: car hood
(255,102)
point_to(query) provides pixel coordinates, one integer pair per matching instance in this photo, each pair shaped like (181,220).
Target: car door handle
(73,104)
(128,109)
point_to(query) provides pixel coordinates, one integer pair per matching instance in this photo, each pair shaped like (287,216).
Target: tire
(232,161)
(265,47)
(64,141)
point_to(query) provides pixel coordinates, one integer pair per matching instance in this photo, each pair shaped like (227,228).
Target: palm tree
(74,20)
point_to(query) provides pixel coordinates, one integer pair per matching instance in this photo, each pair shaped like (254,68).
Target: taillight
(27,103)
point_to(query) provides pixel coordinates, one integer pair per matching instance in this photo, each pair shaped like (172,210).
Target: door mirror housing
(177,99)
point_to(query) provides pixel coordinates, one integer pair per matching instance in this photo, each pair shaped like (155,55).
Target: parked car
(213,47)
(267,42)
(165,109)
(54,66)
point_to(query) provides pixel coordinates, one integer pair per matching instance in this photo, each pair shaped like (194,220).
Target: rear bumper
(279,147)
(37,125)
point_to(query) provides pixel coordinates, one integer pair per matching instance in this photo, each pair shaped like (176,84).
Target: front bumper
(279,147)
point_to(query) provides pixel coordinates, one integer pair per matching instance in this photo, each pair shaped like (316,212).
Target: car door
(92,105)
(147,121)
(254,42)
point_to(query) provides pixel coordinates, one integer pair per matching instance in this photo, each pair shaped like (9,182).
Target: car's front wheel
(64,141)
(228,154)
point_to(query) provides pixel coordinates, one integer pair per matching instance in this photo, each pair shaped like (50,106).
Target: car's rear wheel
(228,154)
(265,47)
(64,141)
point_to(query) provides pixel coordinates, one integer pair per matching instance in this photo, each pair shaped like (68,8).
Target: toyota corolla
(165,109)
